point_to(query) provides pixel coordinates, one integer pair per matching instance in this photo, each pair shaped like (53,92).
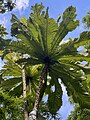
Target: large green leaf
(11,68)
(33,45)
(29,61)
(55,99)
(66,47)
(55,96)
(17,90)
(83,40)
(44,30)
(32,28)
(74,85)
(10,83)
(48,28)
(85,68)
(40,28)
(72,76)
(12,75)
(75,58)
(68,24)
(83,99)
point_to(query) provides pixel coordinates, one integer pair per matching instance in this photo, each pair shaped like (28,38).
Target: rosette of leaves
(41,37)
(11,75)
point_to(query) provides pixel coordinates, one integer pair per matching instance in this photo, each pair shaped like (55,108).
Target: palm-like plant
(14,76)
(42,37)
(11,81)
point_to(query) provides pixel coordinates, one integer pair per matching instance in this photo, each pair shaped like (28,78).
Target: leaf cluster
(10,107)
(6,6)
(41,38)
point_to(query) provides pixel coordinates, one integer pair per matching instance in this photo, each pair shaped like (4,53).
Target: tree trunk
(24,93)
(44,86)
(33,113)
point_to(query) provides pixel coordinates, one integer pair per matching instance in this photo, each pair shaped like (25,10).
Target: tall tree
(41,37)
(24,92)
(14,76)
(11,82)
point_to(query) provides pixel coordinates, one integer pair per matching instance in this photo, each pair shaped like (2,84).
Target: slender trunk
(33,113)
(43,88)
(24,93)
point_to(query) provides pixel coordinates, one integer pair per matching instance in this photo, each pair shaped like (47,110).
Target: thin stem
(24,93)
(43,88)
(39,88)
(33,114)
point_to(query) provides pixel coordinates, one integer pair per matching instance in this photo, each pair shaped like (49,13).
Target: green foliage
(74,84)
(86,20)
(83,40)
(2,31)
(41,37)
(12,77)
(10,107)
(68,24)
(54,99)
(6,5)
(46,31)
(79,114)
(3,42)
